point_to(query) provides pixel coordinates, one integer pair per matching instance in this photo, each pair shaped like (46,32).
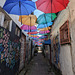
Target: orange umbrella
(28,20)
(32,32)
(44,29)
(33,35)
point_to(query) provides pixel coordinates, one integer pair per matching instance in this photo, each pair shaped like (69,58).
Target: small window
(7,24)
(17,32)
(1,19)
(64,33)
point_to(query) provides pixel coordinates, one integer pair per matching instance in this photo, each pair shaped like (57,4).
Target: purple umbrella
(43,32)
(26,27)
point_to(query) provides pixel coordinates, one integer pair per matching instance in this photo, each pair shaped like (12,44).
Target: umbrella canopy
(28,20)
(19,7)
(43,32)
(43,36)
(51,6)
(38,11)
(33,35)
(34,38)
(45,18)
(44,25)
(32,32)
(26,27)
(44,29)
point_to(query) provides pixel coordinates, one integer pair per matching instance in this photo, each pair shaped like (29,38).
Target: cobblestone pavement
(39,66)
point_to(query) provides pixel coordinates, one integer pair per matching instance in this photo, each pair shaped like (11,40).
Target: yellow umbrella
(28,19)
(44,29)
(33,35)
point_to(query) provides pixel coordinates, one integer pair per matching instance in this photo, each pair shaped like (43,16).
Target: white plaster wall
(65,60)
(73,43)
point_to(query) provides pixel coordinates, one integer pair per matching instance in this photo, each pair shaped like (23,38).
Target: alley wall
(66,56)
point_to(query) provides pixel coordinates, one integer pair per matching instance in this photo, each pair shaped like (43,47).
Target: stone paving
(39,66)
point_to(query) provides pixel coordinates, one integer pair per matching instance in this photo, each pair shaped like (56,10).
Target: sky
(37,12)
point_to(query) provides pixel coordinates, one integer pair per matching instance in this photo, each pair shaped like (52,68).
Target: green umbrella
(46,18)
(43,34)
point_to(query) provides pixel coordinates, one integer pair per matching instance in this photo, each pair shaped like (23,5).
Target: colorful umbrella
(32,32)
(43,32)
(51,6)
(26,27)
(43,36)
(38,11)
(44,25)
(33,35)
(19,7)
(44,29)
(28,20)
(45,18)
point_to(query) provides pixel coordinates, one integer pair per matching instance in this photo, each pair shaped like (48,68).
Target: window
(17,32)
(64,33)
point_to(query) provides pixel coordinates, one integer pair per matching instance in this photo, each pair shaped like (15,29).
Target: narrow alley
(39,66)
(37,37)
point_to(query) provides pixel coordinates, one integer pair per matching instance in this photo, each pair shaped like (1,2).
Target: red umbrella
(51,6)
(32,33)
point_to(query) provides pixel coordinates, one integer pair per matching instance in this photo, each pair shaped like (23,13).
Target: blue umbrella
(30,30)
(34,38)
(44,25)
(19,7)
(43,36)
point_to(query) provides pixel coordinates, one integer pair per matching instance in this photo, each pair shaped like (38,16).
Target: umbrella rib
(42,3)
(30,5)
(25,8)
(48,4)
(62,4)
(14,6)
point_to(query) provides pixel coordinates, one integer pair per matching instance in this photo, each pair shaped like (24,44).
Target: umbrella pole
(31,40)
(20,10)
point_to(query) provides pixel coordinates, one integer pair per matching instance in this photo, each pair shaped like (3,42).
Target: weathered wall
(65,60)
(67,52)
(22,52)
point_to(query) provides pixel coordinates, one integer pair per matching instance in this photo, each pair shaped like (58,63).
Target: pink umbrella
(26,27)
(43,32)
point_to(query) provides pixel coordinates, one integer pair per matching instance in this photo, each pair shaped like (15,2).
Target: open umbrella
(32,32)
(19,7)
(38,11)
(44,29)
(43,36)
(51,6)
(26,27)
(43,32)
(33,35)
(45,18)
(44,25)
(28,20)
